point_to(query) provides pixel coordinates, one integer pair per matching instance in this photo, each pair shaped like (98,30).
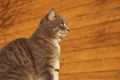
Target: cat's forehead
(65,21)
(62,20)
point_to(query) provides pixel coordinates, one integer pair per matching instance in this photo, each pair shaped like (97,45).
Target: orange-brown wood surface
(91,51)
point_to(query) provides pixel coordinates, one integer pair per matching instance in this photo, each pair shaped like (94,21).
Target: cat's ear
(51,14)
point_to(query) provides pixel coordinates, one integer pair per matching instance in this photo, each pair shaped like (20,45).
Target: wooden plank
(10,8)
(91,54)
(30,8)
(105,75)
(58,4)
(20,27)
(34,22)
(37,13)
(12,3)
(94,30)
(91,42)
(46,5)
(95,18)
(90,66)
(6,16)
(20,10)
(19,34)
(12,36)
(92,7)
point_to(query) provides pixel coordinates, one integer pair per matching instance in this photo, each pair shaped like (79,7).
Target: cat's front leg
(56,70)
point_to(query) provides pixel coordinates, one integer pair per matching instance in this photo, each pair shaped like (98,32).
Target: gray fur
(34,58)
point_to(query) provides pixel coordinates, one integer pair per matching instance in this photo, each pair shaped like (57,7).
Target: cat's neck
(39,35)
(46,39)
(58,40)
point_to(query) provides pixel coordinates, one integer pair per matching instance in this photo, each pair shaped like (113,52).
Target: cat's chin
(62,36)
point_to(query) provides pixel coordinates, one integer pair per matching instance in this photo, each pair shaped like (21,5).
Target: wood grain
(91,51)
(17,16)
(94,30)
(91,65)
(95,18)
(98,75)
(91,54)
(91,42)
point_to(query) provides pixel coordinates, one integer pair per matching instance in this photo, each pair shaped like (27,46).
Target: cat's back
(15,52)
(13,45)
(15,59)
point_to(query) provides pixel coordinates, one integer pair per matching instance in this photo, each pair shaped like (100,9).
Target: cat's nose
(67,29)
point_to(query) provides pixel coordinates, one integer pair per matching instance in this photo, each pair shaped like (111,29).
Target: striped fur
(35,58)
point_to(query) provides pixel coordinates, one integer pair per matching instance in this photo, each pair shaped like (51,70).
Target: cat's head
(54,26)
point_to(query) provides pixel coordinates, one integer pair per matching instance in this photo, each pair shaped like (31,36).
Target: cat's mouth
(63,34)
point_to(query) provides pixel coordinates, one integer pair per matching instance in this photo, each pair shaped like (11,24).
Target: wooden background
(91,51)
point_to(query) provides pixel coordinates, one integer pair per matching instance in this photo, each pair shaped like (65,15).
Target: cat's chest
(57,47)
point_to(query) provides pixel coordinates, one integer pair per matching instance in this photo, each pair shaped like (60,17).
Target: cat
(36,57)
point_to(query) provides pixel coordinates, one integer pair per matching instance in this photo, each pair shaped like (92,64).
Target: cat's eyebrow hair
(64,20)
(55,22)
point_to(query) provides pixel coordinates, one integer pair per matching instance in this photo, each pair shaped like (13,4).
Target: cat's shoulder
(13,43)
(18,40)
(21,40)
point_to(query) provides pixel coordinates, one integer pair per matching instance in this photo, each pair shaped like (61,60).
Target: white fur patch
(56,43)
(56,73)
(57,64)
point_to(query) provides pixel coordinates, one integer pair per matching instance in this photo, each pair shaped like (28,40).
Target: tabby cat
(37,57)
